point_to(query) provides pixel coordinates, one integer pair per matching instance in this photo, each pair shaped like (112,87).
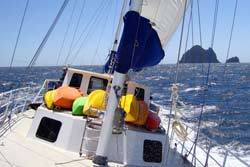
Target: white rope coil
(179,130)
(177,127)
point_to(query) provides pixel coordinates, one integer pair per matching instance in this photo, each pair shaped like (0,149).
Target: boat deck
(16,149)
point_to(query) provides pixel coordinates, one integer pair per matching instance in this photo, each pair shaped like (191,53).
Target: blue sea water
(226,116)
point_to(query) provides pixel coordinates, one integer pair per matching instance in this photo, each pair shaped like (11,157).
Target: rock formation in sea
(199,55)
(233,60)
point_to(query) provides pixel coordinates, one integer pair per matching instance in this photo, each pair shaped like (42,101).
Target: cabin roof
(74,70)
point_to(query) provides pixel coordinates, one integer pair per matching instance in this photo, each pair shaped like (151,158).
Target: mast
(114,97)
(118,31)
(111,64)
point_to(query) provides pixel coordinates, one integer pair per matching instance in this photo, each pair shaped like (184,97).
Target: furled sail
(139,46)
(146,34)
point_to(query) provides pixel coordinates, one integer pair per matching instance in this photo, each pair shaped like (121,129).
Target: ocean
(226,115)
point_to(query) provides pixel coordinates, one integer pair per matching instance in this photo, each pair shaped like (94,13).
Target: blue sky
(98,35)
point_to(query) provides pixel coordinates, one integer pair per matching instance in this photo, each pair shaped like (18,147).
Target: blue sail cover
(111,59)
(140,45)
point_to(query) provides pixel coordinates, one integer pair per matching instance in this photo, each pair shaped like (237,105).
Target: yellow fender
(96,101)
(48,98)
(131,106)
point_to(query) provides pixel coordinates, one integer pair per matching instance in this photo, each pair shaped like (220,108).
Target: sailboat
(105,135)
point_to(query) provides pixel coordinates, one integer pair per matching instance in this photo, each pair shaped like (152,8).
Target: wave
(198,88)
(6,83)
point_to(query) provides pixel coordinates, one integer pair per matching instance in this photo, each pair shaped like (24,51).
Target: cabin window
(97,83)
(76,80)
(152,151)
(48,129)
(139,93)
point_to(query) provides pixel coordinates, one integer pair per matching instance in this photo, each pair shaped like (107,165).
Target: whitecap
(194,89)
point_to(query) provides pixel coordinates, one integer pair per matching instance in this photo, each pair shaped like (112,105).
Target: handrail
(212,142)
(12,100)
(44,87)
(14,90)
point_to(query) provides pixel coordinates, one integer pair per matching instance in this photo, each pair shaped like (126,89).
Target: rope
(113,52)
(225,100)
(94,24)
(180,44)
(113,26)
(38,51)
(76,29)
(6,160)
(89,26)
(189,23)
(179,130)
(207,79)
(199,19)
(66,32)
(19,32)
(200,33)
(101,35)
(231,34)
(192,22)
(174,95)
(136,43)
(215,22)
(177,65)
(74,160)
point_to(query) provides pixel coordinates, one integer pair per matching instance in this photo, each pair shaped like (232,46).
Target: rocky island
(199,55)
(233,60)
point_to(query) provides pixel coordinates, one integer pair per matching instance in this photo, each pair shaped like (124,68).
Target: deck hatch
(48,129)
(152,151)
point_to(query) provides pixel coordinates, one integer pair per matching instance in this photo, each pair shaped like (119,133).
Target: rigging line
(93,18)
(213,37)
(94,22)
(207,76)
(180,44)
(177,65)
(231,34)
(200,32)
(189,23)
(226,84)
(6,160)
(176,77)
(101,35)
(66,32)
(215,22)
(114,19)
(192,23)
(38,51)
(199,20)
(89,27)
(114,46)
(76,29)
(19,32)
(135,41)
